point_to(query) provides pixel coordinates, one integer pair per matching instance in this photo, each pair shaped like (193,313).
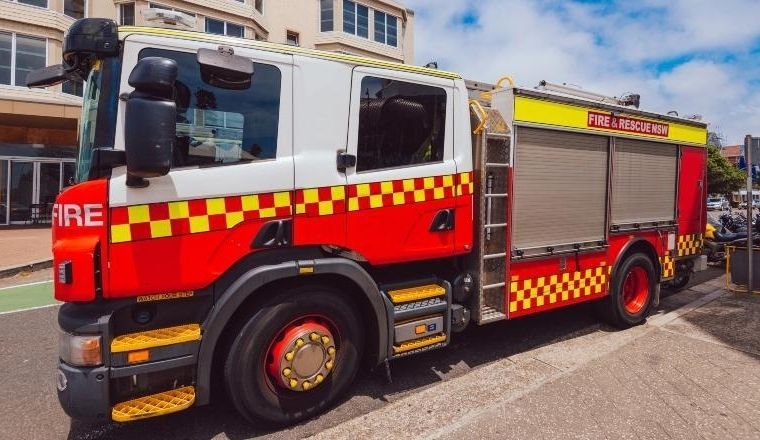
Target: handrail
(488,95)
(482,115)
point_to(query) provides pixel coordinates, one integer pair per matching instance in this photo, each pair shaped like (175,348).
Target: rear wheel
(631,293)
(294,356)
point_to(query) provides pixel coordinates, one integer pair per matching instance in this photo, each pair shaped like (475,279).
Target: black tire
(613,308)
(679,282)
(252,390)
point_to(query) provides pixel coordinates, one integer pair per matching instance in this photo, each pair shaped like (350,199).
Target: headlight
(80,350)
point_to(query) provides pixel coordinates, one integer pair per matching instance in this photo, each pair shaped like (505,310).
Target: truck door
(401,192)
(691,200)
(232,175)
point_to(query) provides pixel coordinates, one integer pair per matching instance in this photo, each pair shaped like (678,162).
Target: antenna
(626,101)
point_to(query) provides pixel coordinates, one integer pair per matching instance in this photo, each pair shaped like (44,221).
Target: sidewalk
(690,372)
(24,246)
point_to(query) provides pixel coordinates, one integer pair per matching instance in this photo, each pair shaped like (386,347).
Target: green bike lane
(26,296)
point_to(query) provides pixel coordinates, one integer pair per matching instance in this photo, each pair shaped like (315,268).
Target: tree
(722,176)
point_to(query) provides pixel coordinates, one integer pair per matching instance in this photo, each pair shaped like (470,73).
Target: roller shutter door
(644,182)
(560,189)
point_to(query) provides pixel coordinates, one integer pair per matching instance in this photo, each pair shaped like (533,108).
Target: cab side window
(217,126)
(400,124)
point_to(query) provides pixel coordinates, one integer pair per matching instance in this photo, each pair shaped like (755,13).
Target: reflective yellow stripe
(125,31)
(558,114)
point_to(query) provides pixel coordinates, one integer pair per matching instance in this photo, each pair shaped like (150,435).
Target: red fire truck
(269,218)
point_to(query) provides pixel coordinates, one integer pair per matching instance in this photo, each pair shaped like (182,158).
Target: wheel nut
(331,351)
(314,337)
(286,372)
(289,356)
(293,383)
(329,365)
(306,385)
(299,342)
(325,340)
(319,378)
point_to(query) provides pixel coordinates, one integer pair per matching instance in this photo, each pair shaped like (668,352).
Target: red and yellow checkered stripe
(535,293)
(169,219)
(668,266)
(689,245)
(339,199)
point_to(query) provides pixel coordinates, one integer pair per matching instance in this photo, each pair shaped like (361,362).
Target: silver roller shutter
(643,183)
(560,188)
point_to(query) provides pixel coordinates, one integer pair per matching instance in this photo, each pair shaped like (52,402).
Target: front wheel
(294,356)
(631,293)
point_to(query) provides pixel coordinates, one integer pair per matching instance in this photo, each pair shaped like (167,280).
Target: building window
(355,19)
(259,5)
(292,38)
(40,3)
(127,14)
(74,8)
(326,15)
(224,28)
(386,29)
(400,124)
(218,126)
(19,55)
(75,88)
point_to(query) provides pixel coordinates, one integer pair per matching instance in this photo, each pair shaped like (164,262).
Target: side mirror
(150,120)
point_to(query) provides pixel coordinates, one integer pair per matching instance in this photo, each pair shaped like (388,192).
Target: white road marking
(30,308)
(27,284)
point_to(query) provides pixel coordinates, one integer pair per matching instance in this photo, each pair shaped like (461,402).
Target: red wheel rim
(302,355)
(635,290)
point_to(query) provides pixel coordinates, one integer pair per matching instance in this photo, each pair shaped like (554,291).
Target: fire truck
(264,221)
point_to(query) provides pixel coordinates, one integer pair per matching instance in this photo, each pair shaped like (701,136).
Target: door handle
(443,221)
(345,161)
(273,234)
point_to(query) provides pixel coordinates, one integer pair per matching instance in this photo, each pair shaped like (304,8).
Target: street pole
(748,158)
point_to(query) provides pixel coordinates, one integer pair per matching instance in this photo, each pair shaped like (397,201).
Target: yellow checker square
(386,187)
(267,212)
(281,199)
(552,298)
(565,295)
(138,214)
(300,208)
(527,284)
(120,233)
(311,195)
(179,210)
(419,195)
(448,180)
(438,193)
(199,224)
(160,228)
(565,277)
(234,218)
(541,282)
(353,204)
(520,295)
(250,203)
(526,304)
(338,193)
(513,307)
(398,198)
(408,184)
(362,190)
(325,208)
(428,183)
(534,292)
(540,301)
(215,206)
(376,201)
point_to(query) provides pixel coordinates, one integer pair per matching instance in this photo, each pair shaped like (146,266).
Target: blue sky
(692,56)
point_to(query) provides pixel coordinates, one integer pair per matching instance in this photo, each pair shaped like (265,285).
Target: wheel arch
(247,291)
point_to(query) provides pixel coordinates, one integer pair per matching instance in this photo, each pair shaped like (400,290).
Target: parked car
(743,205)
(716,203)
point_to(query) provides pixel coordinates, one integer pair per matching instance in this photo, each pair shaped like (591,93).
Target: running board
(154,405)
(156,338)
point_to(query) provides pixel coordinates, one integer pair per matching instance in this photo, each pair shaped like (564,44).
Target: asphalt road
(29,407)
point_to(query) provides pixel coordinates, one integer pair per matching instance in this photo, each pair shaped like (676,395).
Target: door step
(420,312)
(154,405)
(156,338)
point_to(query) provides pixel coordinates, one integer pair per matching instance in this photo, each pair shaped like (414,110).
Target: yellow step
(154,405)
(416,293)
(419,343)
(156,338)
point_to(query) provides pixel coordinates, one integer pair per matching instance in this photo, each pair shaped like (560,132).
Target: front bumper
(83,392)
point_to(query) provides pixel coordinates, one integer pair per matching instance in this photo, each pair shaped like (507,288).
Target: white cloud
(693,56)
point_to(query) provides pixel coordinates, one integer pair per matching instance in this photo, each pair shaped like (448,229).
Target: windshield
(88,124)
(713,200)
